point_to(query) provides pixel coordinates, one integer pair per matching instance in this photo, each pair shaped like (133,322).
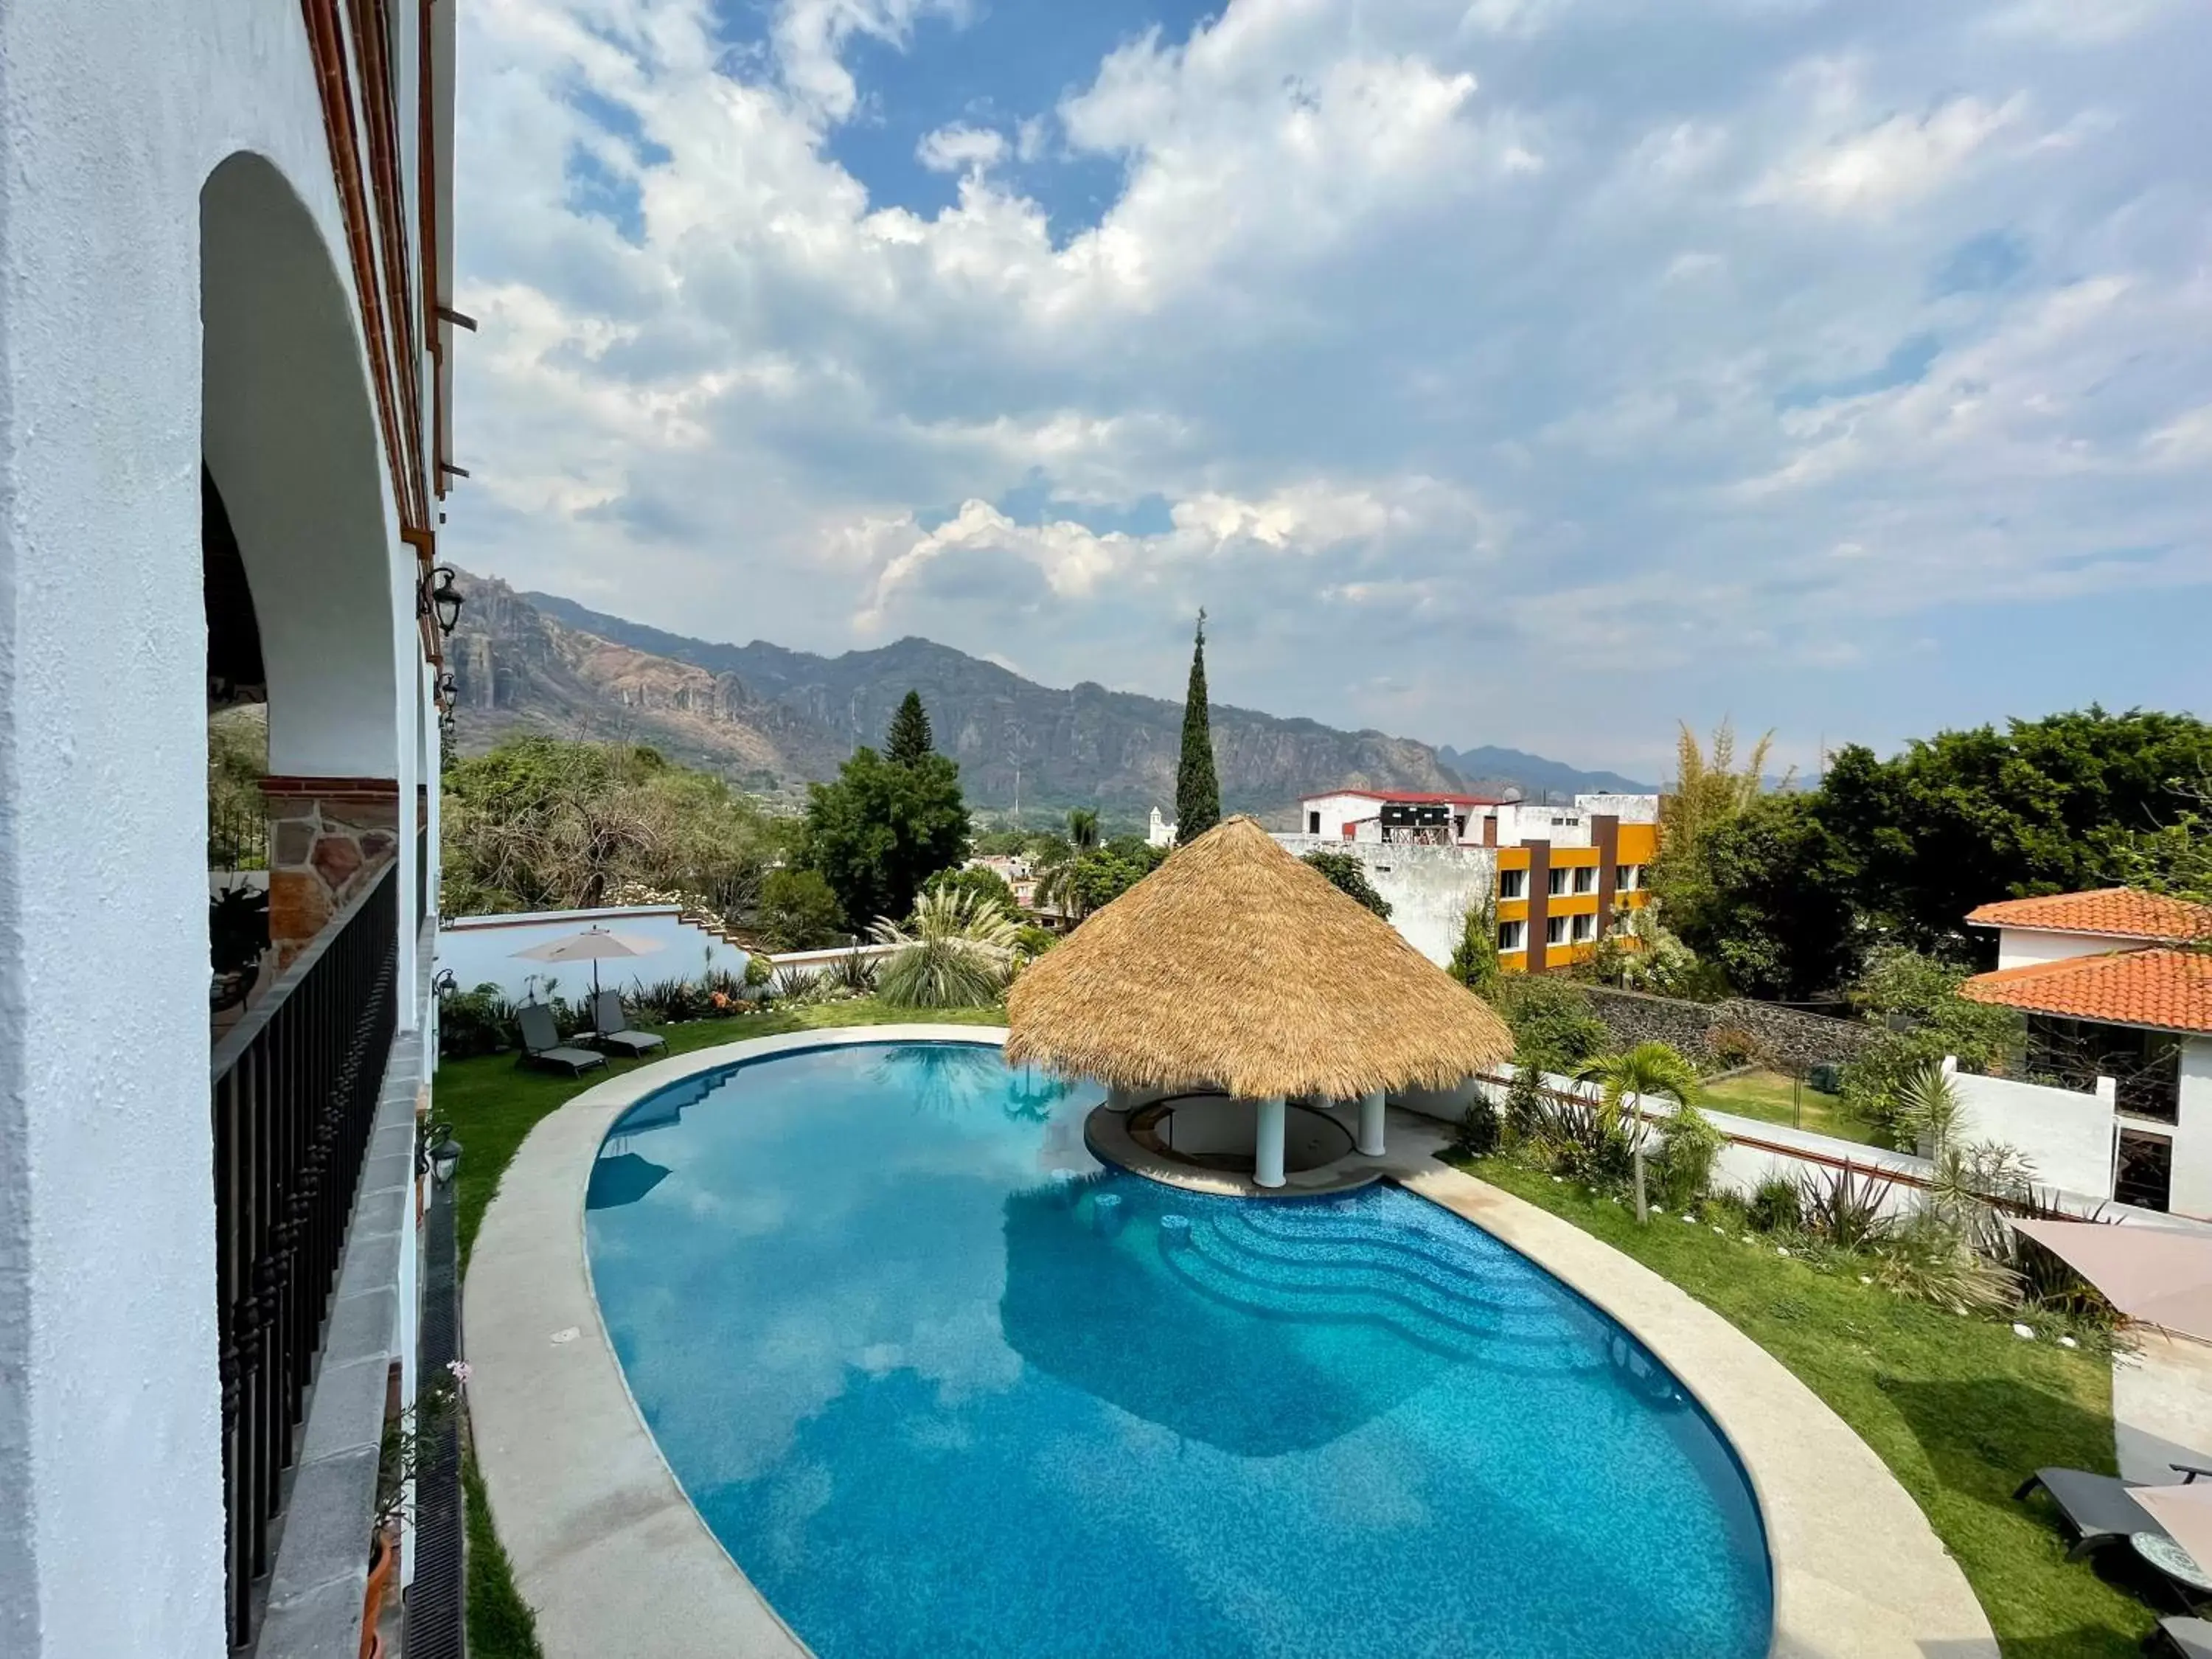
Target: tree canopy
(1198,790)
(1788,893)
(882,829)
(909,740)
(540,823)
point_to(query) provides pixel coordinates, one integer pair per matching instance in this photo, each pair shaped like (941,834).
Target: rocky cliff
(773,718)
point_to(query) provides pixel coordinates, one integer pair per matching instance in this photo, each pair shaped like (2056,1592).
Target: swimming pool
(942,1387)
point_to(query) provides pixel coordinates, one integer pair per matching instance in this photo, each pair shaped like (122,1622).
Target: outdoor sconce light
(441,1154)
(449,693)
(444,984)
(445,599)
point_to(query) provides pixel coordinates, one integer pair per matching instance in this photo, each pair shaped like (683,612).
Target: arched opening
(312,692)
(300,578)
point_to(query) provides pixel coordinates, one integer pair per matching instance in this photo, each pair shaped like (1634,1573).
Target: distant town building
(1557,877)
(1160,832)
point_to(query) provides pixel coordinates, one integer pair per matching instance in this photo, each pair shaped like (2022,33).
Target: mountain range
(772,719)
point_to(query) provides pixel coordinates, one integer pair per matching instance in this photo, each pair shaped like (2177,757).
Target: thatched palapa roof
(1236,965)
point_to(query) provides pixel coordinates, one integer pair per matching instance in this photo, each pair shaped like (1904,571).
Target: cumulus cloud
(1496,336)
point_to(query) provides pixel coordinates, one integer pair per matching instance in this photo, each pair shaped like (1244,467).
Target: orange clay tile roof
(2121,912)
(2170,990)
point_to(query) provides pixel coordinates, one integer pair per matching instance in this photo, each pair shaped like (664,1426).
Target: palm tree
(1083,828)
(1650,1070)
(955,951)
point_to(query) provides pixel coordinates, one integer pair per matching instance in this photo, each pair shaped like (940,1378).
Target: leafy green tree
(982,883)
(908,742)
(1349,877)
(1198,790)
(882,829)
(1962,818)
(1915,999)
(1766,899)
(1090,881)
(798,911)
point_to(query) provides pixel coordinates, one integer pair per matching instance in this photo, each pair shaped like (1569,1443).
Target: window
(1559,883)
(1585,929)
(1555,930)
(1512,936)
(1313,824)
(1513,883)
(1628,878)
(1585,879)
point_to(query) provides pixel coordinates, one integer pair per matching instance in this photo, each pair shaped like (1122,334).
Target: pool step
(1490,1284)
(1454,1328)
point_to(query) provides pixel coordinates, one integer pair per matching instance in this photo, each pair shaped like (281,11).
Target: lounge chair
(2096,1508)
(542,1044)
(613,1028)
(2190,1638)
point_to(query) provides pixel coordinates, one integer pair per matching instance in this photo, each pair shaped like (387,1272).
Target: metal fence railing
(295,1093)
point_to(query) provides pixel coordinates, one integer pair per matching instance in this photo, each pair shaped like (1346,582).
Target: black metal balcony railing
(295,1090)
(422,890)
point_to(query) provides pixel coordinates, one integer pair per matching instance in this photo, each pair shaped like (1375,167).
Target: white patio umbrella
(2159,1275)
(594,945)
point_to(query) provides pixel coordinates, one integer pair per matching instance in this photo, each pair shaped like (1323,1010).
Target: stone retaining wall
(1790,1038)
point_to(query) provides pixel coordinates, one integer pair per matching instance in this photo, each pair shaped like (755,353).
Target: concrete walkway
(2162,1408)
(612,1555)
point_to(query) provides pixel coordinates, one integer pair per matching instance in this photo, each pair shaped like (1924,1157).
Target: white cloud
(1412,331)
(961,149)
(1897,159)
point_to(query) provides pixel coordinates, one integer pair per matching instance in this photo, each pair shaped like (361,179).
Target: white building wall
(113,114)
(2024,947)
(480,949)
(1429,888)
(1629,809)
(2191,1193)
(2070,1138)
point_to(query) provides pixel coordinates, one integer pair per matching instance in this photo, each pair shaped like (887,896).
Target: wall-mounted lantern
(446,598)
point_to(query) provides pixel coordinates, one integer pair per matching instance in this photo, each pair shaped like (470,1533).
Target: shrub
(792,983)
(1927,1260)
(1844,1207)
(1775,1207)
(853,974)
(1033,941)
(1581,1140)
(1686,1157)
(1525,1107)
(978,880)
(471,1022)
(799,912)
(1731,1047)
(954,952)
(1478,1129)
(1554,1028)
(757,971)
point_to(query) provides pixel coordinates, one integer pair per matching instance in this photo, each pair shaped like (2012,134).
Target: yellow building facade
(1555,903)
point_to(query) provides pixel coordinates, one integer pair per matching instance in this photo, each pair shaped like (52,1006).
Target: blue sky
(1526,371)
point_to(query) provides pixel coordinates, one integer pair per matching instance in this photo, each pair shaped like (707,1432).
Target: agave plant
(955,951)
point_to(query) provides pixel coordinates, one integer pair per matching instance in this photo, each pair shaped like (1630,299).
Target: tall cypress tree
(1198,791)
(909,741)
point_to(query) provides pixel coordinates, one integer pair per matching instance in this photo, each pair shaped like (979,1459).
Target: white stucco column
(1122,1100)
(1268,1142)
(1370,1124)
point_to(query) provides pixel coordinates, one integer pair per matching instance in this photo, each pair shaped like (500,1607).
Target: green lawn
(1776,1098)
(1960,1409)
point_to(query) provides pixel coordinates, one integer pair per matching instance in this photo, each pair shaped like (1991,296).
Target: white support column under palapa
(1268,1142)
(1370,1124)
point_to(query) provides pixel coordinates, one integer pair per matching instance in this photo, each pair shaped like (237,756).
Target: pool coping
(613,1557)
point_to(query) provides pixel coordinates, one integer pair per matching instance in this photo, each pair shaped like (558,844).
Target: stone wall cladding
(1790,1037)
(327,839)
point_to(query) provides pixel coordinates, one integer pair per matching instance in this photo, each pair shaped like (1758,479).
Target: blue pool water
(944,1387)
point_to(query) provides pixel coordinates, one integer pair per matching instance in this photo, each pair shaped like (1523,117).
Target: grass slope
(1774,1098)
(1960,1409)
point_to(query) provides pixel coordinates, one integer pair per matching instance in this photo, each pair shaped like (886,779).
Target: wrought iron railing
(296,1090)
(238,837)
